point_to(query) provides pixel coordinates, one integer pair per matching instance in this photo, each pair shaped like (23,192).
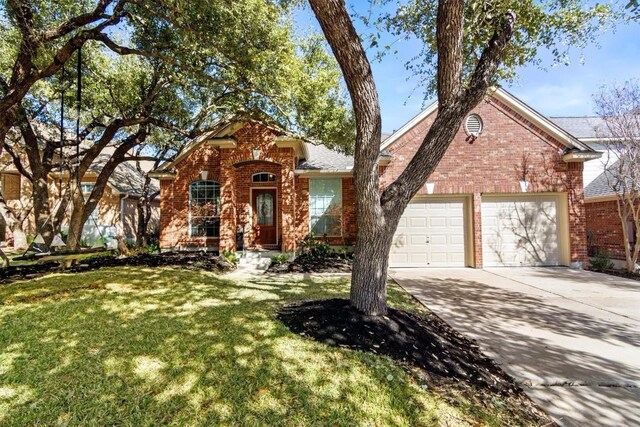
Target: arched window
(263,177)
(204,209)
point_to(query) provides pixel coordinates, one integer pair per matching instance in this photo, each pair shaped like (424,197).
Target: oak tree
(467,46)
(155,74)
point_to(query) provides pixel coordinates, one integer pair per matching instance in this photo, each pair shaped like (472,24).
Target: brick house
(507,192)
(604,228)
(115,215)
(248,176)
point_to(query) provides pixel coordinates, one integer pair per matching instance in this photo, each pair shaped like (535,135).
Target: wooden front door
(264,217)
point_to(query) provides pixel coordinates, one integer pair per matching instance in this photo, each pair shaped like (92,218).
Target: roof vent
(473,125)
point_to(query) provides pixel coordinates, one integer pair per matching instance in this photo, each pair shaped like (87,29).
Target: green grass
(142,346)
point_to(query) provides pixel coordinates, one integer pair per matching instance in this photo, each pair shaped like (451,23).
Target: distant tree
(466,47)
(619,108)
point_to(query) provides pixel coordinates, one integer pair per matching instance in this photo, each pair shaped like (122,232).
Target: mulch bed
(619,273)
(191,260)
(424,344)
(307,263)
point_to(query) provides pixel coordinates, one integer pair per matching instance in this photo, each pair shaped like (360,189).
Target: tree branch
(77,22)
(449,119)
(16,161)
(449,35)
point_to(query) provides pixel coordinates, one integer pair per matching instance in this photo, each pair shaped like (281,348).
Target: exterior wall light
(430,186)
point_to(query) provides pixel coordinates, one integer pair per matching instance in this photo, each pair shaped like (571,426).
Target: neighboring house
(115,215)
(509,191)
(604,228)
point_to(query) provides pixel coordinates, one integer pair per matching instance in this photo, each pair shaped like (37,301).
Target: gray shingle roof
(323,158)
(598,187)
(583,127)
(125,178)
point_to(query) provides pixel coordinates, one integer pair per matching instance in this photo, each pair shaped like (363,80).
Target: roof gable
(523,112)
(223,136)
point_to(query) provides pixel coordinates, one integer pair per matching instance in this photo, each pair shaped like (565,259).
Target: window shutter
(11,186)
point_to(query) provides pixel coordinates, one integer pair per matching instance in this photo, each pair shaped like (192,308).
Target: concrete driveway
(571,338)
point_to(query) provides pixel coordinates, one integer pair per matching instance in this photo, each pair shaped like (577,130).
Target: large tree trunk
(378,214)
(142,209)
(42,209)
(369,274)
(79,215)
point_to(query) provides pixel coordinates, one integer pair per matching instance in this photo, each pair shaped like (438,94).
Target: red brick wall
(349,225)
(509,148)
(174,198)
(604,228)
(232,168)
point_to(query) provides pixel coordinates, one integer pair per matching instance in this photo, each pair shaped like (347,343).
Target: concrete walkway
(571,338)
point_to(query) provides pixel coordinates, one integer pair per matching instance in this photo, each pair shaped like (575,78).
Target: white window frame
(190,209)
(313,215)
(269,175)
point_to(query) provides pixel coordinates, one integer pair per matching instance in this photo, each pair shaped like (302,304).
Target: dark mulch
(424,344)
(191,260)
(308,263)
(619,273)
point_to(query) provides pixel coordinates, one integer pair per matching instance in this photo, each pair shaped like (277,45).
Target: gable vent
(473,125)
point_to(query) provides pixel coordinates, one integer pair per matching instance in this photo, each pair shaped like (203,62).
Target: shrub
(601,262)
(231,257)
(313,246)
(280,258)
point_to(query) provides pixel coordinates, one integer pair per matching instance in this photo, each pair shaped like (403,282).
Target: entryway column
(477,230)
(227,202)
(288,206)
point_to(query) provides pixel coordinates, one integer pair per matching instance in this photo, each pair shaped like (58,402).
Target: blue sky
(558,91)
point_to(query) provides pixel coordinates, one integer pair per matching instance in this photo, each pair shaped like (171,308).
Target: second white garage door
(430,234)
(520,231)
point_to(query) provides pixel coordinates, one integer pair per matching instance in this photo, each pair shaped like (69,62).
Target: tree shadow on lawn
(543,342)
(142,346)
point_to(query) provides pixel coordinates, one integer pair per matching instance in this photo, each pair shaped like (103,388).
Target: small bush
(152,248)
(231,257)
(601,262)
(314,247)
(280,259)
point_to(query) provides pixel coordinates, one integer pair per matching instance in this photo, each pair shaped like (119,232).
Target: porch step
(255,260)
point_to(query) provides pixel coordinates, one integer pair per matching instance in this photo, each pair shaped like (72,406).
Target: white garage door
(430,234)
(520,231)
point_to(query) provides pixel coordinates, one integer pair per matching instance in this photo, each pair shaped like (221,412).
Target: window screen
(325,206)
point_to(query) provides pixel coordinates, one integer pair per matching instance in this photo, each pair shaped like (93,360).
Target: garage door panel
(457,240)
(398,258)
(436,240)
(441,223)
(438,222)
(456,221)
(520,232)
(418,239)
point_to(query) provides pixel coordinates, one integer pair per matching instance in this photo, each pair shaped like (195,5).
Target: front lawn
(140,346)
